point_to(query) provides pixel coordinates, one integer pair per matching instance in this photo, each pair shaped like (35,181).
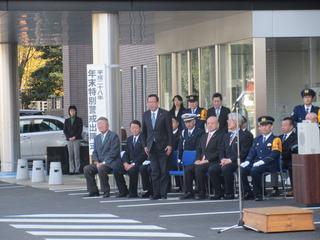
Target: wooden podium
(306,178)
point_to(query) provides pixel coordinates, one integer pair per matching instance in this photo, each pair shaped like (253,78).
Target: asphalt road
(28,213)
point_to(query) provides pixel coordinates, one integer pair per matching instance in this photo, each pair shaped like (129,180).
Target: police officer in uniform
(263,157)
(300,111)
(189,140)
(195,109)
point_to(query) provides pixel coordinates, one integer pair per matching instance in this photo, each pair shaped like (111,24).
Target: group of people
(214,135)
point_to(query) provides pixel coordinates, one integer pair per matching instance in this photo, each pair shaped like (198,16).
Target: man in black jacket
(157,141)
(219,111)
(73,132)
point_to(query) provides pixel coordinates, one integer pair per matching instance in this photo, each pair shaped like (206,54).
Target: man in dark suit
(195,109)
(221,174)
(207,154)
(157,132)
(105,159)
(300,111)
(190,140)
(219,111)
(73,131)
(133,157)
(289,140)
(263,157)
(175,133)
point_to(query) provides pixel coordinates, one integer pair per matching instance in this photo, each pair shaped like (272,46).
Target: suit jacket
(265,152)
(287,145)
(107,151)
(173,114)
(73,130)
(230,149)
(299,113)
(223,117)
(162,132)
(134,153)
(176,137)
(199,123)
(212,150)
(189,142)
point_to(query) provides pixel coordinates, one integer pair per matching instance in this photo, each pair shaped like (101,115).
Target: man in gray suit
(106,159)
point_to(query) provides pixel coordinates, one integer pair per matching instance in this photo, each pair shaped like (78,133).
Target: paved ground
(61,212)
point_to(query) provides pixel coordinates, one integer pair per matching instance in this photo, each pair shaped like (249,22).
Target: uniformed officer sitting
(195,109)
(300,111)
(263,157)
(189,140)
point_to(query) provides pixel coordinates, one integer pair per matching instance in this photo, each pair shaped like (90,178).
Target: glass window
(45,125)
(134,91)
(182,73)
(194,68)
(208,77)
(165,80)
(144,70)
(25,126)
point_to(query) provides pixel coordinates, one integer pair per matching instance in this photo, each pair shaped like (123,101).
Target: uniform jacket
(299,113)
(199,123)
(191,143)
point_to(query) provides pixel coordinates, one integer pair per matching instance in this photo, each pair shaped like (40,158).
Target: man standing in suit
(207,154)
(193,102)
(221,174)
(219,111)
(105,159)
(263,157)
(289,139)
(190,140)
(157,132)
(300,111)
(133,157)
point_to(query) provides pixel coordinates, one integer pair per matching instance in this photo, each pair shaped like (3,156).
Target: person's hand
(146,162)
(126,166)
(168,150)
(245,164)
(225,161)
(99,164)
(197,162)
(146,150)
(259,163)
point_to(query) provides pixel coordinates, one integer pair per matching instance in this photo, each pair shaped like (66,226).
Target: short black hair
(290,119)
(153,95)
(215,95)
(175,118)
(136,122)
(72,107)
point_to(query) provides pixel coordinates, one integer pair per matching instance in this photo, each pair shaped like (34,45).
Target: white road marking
(110,234)
(87,227)
(78,194)
(65,216)
(67,189)
(13,186)
(94,239)
(54,220)
(198,214)
(126,200)
(160,202)
(87,198)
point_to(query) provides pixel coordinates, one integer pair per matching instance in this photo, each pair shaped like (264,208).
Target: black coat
(176,137)
(73,130)
(223,117)
(134,153)
(287,145)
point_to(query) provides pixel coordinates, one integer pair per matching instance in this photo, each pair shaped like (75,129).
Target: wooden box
(279,219)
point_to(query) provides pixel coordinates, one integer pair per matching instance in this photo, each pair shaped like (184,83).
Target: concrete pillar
(105,44)
(9,124)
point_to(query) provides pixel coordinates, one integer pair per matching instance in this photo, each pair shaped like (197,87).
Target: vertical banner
(96,78)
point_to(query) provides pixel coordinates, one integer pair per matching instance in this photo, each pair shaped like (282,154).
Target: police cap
(265,120)
(308,92)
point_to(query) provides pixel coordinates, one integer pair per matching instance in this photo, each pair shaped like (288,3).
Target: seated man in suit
(263,157)
(133,157)
(219,111)
(189,140)
(105,159)
(221,174)
(207,154)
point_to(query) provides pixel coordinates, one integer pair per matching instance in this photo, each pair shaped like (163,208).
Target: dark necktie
(153,119)
(134,141)
(284,137)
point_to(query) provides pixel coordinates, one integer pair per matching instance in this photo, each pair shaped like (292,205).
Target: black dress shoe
(248,196)
(258,198)
(229,196)
(216,197)
(155,197)
(164,197)
(106,194)
(121,195)
(93,194)
(200,197)
(146,194)
(132,195)
(187,196)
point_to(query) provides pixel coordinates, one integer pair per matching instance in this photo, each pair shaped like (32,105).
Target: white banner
(96,78)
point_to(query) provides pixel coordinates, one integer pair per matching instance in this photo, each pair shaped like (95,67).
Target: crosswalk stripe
(95,239)
(125,200)
(87,227)
(110,234)
(198,214)
(40,220)
(10,187)
(65,216)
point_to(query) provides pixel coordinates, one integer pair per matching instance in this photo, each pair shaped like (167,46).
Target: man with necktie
(105,159)
(300,111)
(193,102)
(263,157)
(157,142)
(219,111)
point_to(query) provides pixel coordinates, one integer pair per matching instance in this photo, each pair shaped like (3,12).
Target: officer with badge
(300,111)
(189,140)
(263,157)
(195,109)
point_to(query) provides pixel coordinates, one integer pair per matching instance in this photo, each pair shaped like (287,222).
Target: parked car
(37,132)
(28,112)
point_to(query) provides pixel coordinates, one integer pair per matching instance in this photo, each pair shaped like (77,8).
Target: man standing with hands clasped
(157,141)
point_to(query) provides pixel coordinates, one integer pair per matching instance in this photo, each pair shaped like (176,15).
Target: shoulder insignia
(277,144)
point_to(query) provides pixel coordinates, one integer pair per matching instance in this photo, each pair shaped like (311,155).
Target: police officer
(195,109)
(189,140)
(263,157)
(300,111)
